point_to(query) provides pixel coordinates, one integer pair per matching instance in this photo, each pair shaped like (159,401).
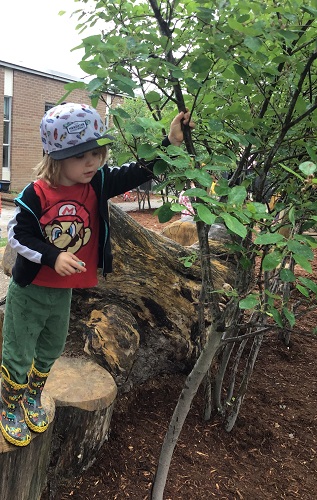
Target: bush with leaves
(247,72)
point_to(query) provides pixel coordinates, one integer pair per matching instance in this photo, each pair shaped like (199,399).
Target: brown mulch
(270,453)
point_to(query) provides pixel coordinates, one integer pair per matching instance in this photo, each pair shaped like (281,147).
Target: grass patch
(3,242)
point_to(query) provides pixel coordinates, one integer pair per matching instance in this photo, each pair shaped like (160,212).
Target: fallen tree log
(159,294)
(142,320)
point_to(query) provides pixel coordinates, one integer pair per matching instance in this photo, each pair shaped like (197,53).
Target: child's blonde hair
(49,169)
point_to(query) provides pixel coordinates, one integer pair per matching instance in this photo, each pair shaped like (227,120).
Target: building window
(48,106)
(6,132)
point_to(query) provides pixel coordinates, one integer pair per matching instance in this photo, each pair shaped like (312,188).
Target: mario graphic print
(66,225)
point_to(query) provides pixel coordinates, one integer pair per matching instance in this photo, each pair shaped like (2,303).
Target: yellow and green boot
(34,413)
(12,422)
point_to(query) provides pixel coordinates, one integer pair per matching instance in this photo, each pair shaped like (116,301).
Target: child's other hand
(67,264)
(176,133)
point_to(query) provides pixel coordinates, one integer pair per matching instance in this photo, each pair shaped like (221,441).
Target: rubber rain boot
(34,413)
(12,422)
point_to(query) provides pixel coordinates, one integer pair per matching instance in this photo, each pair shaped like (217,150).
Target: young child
(60,231)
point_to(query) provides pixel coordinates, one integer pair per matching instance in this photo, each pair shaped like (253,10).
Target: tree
(247,73)
(125,143)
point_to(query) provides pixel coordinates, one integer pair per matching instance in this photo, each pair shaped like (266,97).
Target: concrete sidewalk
(127,206)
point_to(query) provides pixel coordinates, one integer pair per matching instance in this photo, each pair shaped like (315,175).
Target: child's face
(80,169)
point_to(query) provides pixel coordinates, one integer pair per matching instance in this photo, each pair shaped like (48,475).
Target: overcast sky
(33,34)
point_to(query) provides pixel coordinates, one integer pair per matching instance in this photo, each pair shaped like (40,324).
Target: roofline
(55,75)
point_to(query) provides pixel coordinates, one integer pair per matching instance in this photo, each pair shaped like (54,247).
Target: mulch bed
(270,453)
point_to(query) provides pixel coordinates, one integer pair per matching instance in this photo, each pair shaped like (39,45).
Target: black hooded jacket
(24,229)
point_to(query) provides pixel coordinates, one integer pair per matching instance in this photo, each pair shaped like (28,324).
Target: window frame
(7,121)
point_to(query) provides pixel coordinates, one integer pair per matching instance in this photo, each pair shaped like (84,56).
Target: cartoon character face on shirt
(66,226)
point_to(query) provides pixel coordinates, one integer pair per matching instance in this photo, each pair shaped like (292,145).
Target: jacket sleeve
(118,180)
(24,231)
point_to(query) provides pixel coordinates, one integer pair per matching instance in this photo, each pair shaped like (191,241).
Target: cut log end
(80,383)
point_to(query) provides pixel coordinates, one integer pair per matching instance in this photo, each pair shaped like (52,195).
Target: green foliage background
(247,72)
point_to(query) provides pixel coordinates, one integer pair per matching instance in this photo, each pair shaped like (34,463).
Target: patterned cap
(71,129)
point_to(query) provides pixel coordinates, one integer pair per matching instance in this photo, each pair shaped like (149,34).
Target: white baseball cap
(71,129)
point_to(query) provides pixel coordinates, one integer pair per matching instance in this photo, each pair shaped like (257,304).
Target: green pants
(35,328)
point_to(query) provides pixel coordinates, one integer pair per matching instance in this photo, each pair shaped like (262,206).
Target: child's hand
(67,264)
(176,133)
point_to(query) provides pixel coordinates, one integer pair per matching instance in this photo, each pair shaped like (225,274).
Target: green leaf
(237,138)
(308,168)
(104,141)
(289,316)
(134,129)
(95,84)
(312,153)
(160,167)
(152,97)
(124,157)
(250,302)
(222,187)
(146,151)
(192,84)
(253,43)
(287,276)
(74,85)
(302,262)
(309,284)
(120,112)
(125,80)
(164,212)
(205,214)
(272,260)
(237,195)
(268,239)
(196,193)
(303,290)
(292,172)
(176,207)
(301,249)
(291,216)
(215,125)
(148,123)
(125,88)
(174,150)
(200,65)
(240,71)
(276,316)
(234,225)
(201,176)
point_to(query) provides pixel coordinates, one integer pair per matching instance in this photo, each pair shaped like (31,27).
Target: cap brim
(63,154)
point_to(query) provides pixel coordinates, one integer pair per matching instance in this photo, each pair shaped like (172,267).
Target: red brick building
(26,95)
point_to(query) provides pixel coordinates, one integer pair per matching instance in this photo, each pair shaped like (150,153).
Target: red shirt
(69,221)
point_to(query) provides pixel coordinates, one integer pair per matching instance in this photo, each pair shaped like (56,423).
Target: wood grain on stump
(84,395)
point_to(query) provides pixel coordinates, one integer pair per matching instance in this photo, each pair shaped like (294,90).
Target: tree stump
(24,469)
(84,395)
